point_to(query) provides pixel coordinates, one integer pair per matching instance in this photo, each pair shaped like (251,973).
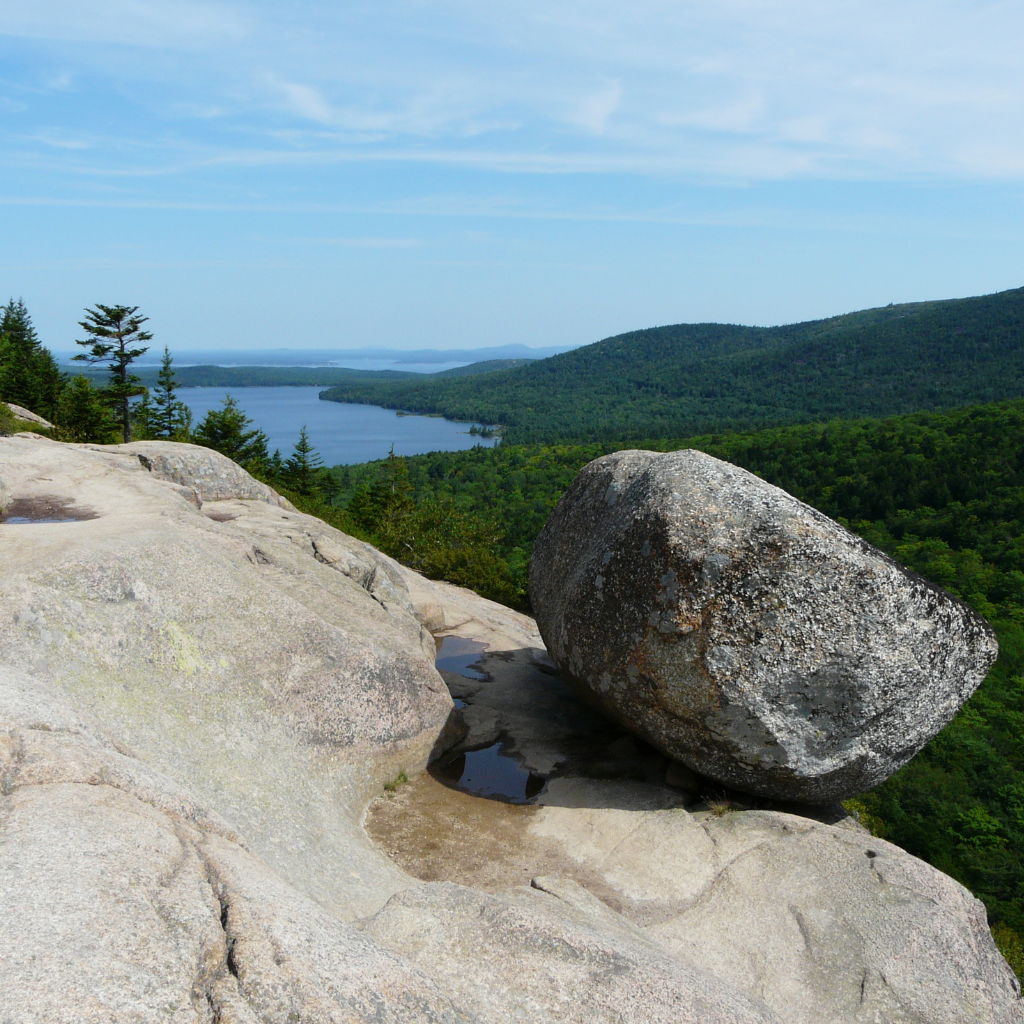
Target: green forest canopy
(692,378)
(942,492)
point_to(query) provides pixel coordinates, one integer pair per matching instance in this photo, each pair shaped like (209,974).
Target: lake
(342,433)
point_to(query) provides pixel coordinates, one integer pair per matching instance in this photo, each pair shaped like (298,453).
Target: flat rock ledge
(201,689)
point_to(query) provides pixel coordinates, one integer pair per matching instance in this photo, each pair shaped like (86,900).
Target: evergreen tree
(229,431)
(172,419)
(143,415)
(83,416)
(115,336)
(20,345)
(29,375)
(50,385)
(386,507)
(303,468)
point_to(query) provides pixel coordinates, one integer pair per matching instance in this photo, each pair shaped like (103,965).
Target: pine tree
(172,419)
(386,507)
(82,414)
(115,334)
(143,415)
(302,469)
(396,476)
(20,345)
(29,375)
(227,430)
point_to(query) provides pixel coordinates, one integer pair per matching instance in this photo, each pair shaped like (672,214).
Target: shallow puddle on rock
(458,655)
(44,510)
(491,772)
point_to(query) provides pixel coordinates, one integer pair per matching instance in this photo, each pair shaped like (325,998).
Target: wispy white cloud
(499,208)
(365,243)
(61,81)
(746,89)
(594,109)
(60,140)
(303,100)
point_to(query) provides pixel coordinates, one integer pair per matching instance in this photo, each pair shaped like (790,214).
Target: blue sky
(440,173)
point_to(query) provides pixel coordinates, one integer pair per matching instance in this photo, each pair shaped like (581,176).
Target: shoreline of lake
(343,433)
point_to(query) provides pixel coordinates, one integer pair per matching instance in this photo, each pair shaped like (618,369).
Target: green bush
(83,416)
(1009,943)
(8,423)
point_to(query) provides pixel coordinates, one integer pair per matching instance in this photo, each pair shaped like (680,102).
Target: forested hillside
(941,492)
(691,378)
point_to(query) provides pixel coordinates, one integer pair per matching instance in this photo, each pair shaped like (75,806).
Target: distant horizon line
(330,356)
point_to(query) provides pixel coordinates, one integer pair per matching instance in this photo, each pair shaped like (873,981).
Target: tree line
(122,408)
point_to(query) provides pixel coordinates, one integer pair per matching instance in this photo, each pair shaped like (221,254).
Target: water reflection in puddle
(491,772)
(44,510)
(458,655)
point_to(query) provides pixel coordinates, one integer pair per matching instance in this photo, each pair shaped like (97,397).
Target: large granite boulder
(745,634)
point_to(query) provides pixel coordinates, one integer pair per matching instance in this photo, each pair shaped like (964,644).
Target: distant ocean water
(342,433)
(351,364)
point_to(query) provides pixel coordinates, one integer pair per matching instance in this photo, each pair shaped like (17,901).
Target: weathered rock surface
(745,634)
(829,923)
(123,900)
(821,922)
(199,695)
(208,474)
(272,684)
(552,954)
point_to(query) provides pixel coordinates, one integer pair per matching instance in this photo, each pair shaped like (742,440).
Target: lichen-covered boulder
(744,633)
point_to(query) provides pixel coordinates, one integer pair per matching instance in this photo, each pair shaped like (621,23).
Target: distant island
(212,376)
